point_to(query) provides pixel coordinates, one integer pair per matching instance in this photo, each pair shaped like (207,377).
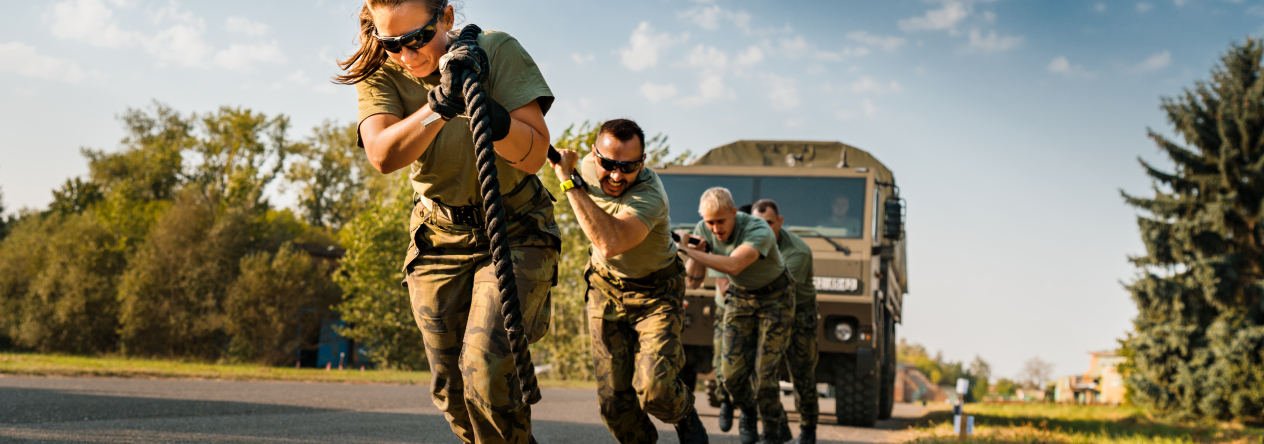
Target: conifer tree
(1198,346)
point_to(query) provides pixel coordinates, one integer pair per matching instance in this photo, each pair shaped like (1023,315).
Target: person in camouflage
(636,287)
(413,115)
(801,350)
(757,309)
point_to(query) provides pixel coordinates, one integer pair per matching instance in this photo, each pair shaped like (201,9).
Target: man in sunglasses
(636,285)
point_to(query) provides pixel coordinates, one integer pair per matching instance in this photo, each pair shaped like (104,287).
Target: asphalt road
(110,410)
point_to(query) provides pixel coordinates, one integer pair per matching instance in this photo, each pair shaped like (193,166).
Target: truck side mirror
(893,222)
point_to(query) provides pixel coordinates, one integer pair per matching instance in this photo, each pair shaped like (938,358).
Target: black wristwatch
(579,181)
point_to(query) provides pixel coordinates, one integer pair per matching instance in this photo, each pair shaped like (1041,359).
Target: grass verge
(1074,424)
(30,364)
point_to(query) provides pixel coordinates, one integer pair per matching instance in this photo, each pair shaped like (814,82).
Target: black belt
(650,280)
(779,283)
(473,215)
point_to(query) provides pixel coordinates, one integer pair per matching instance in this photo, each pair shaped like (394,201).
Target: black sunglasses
(626,166)
(415,39)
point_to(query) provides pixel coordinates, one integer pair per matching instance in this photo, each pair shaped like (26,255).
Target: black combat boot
(807,434)
(748,426)
(726,416)
(690,430)
(776,434)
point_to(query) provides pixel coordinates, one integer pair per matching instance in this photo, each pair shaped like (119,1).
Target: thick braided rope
(493,207)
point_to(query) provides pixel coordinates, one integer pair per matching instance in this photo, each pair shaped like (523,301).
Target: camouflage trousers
(756,328)
(801,355)
(637,354)
(456,303)
(716,391)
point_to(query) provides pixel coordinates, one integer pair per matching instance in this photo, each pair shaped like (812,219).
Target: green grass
(30,364)
(1053,423)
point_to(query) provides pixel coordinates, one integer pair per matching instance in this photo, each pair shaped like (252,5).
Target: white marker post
(962,425)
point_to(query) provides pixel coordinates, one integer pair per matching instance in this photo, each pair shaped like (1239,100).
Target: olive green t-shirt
(647,200)
(752,231)
(798,259)
(447,171)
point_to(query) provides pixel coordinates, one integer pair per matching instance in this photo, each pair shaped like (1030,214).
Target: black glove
(444,103)
(465,56)
(447,98)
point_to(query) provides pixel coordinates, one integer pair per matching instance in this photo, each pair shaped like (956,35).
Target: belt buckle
(466,216)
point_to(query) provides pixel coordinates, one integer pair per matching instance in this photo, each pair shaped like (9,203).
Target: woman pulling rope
(413,113)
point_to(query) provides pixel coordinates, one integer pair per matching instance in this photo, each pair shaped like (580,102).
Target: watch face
(579,181)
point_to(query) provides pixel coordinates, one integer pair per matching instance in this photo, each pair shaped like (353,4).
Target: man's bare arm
(611,235)
(732,265)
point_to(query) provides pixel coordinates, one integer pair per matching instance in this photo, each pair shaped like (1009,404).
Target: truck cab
(845,205)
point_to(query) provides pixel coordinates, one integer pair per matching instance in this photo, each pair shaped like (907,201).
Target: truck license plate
(835,283)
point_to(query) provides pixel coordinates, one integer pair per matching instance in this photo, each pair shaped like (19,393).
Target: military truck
(845,205)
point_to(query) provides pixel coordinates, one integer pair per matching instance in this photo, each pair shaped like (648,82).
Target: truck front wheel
(856,394)
(887,397)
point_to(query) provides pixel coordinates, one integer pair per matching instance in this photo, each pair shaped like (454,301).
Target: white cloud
(658,93)
(245,26)
(180,44)
(783,92)
(1180,2)
(88,21)
(868,85)
(710,16)
(582,59)
(992,42)
(644,47)
(707,58)
(868,107)
(794,47)
(710,88)
(889,43)
(706,17)
(1154,63)
(1144,7)
(751,56)
(242,58)
(25,61)
(937,19)
(1099,7)
(1060,65)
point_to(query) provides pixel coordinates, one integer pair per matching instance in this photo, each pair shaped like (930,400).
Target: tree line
(170,247)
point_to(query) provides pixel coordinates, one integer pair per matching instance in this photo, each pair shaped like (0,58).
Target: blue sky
(1011,125)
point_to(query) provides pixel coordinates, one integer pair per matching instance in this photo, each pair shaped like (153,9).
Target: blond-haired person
(758,308)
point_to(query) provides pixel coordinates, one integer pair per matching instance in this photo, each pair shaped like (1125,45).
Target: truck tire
(856,395)
(886,399)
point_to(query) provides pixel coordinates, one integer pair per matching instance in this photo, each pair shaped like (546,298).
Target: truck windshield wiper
(846,251)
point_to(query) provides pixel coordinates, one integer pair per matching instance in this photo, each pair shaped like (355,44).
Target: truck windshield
(831,206)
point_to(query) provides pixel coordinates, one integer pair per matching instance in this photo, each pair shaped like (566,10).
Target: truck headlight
(843,331)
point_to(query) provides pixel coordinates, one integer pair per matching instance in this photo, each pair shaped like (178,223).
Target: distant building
(1101,384)
(913,386)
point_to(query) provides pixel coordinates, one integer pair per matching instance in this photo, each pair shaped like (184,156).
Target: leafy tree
(75,196)
(1006,388)
(1035,373)
(5,221)
(375,306)
(173,291)
(1198,346)
(333,178)
(70,306)
(240,152)
(139,181)
(263,305)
